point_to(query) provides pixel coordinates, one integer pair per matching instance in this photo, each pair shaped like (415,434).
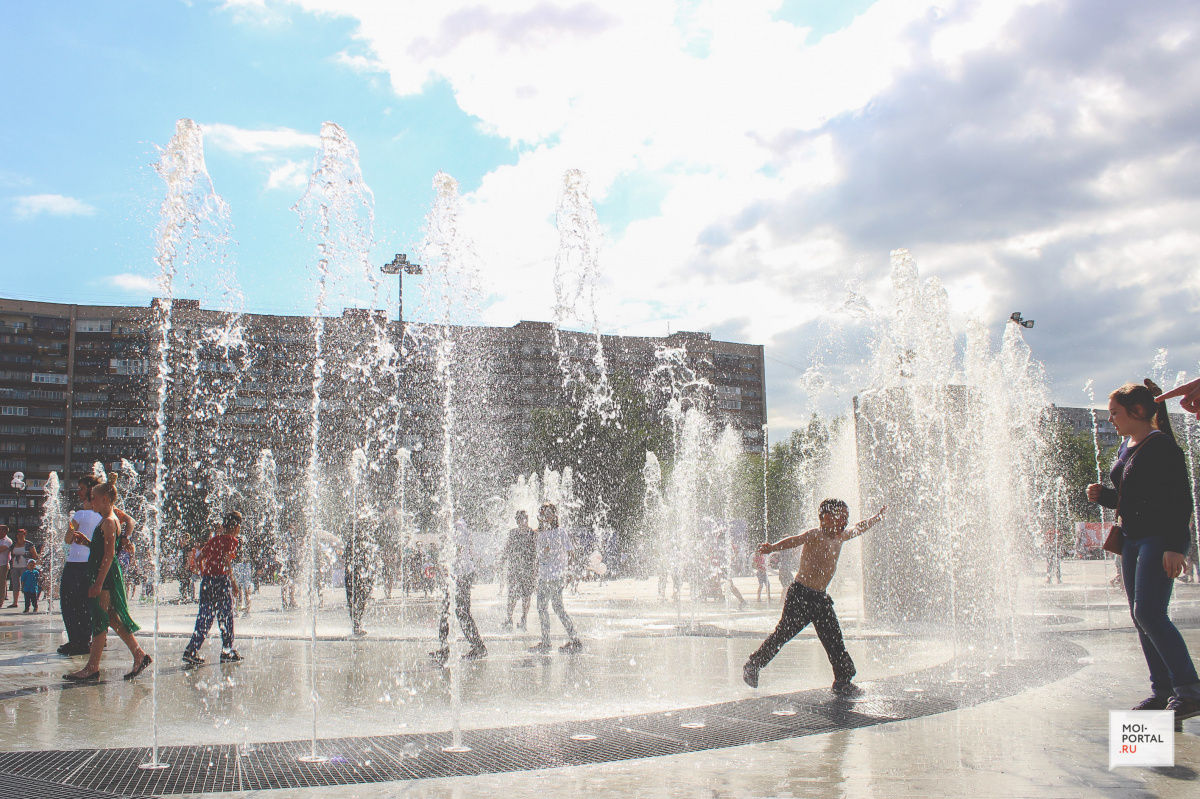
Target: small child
(244,580)
(217,591)
(806,601)
(31,586)
(760,571)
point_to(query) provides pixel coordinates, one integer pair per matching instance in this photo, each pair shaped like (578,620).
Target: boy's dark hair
(231,520)
(832,506)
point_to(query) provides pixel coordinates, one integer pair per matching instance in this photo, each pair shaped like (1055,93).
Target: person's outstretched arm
(791,542)
(863,526)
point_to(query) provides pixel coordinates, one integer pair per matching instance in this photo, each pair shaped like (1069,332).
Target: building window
(129,366)
(46,377)
(93,325)
(38,430)
(128,432)
(13,410)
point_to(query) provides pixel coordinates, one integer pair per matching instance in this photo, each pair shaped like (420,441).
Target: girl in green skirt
(107,593)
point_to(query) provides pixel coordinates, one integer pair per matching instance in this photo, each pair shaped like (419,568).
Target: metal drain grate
(202,769)
(34,788)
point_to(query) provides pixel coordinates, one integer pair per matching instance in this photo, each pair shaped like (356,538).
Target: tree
(607,459)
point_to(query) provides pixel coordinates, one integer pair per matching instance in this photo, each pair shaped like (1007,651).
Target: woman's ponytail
(1162,419)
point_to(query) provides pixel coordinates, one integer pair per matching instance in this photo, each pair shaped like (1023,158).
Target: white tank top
(88,521)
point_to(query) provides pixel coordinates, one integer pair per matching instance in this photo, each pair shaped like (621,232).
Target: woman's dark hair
(549,510)
(89,480)
(1140,401)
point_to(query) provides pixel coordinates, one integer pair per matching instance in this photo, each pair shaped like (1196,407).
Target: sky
(751,162)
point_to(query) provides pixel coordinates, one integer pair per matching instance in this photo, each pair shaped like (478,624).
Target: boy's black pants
(73,602)
(802,606)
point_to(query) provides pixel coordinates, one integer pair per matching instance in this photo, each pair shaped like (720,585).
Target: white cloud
(1027,150)
(249,141)
(32,205)
(131,282)
(358,63)
(271,148)
(288,175)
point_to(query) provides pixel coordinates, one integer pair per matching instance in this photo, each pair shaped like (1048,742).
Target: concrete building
(79,383)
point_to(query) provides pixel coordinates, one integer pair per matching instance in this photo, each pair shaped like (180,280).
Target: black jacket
(1156,498)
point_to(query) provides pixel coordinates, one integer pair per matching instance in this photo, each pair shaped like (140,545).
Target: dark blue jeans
(216,599)
(1148,589)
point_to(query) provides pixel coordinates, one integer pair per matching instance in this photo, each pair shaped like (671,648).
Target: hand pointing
(1189,394)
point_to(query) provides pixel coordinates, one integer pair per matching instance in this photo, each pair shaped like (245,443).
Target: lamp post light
(400,266)
(1017,319)
(18,484)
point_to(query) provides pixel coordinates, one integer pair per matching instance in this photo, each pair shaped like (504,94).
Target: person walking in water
(22,553)
(760,571)
(806,601)
(1153,501)
(107,591)
(520,556)
(553,547)
(463,564)
(5,555)
(359,555)
(217,591)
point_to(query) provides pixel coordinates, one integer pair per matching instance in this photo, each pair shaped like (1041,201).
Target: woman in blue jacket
(1152,497)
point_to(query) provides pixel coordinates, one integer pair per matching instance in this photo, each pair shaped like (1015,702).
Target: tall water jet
(727,453)
(269,509)
(336,212)
(193,220)
(576,280)
(654,541)
(53,523)
(958,456)
(452,288)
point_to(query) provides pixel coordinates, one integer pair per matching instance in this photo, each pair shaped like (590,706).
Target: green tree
(607,459)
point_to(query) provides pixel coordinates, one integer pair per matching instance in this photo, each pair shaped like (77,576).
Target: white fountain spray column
(53,523)
(451,289)
(192,219)
(336,211)
(653,522)
(725,463)
(576,281)
(957,455)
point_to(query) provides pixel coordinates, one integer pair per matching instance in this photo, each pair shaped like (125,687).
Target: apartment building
(79,385)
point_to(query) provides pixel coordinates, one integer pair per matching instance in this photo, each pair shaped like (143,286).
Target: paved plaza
(654,706)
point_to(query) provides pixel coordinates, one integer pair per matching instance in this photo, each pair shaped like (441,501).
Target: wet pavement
(1044,735)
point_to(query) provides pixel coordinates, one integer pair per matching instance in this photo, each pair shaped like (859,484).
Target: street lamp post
(400,266)
(18,485)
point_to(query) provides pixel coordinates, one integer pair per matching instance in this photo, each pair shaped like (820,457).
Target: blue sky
(750,162)
(112,79)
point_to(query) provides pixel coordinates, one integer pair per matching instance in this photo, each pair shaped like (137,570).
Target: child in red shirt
(217,591)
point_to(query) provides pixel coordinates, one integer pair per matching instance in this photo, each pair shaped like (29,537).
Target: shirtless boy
(806,599)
